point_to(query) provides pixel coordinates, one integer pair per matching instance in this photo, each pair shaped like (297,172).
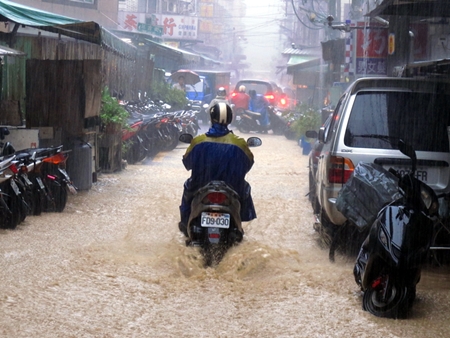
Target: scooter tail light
(215,198)
(341,168)
(13,168)
(214,235)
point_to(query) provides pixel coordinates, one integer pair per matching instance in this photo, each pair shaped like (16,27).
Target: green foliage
(162,91)
(111,111)
(309,119)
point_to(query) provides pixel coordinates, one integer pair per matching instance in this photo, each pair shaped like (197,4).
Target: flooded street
(114,264)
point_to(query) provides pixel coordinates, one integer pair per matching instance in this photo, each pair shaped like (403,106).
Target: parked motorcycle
(57,180)
(214,223)
(13,208)
(389,263)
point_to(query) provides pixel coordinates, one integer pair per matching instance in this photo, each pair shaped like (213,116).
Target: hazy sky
(262,33)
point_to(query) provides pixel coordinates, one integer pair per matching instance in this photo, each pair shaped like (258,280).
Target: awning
(298,59)
(10,52)
(303,65)
(187,56)
(421,8)
(82,30)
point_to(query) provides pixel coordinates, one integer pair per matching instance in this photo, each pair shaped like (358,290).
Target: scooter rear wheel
(243,126)
(391,302)
(213,254)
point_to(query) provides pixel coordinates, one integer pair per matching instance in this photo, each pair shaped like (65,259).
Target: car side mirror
(254,142)
(321,136)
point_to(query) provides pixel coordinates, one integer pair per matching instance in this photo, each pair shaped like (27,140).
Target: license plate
(428,175)
(15,187)
(41,185)
(216,220)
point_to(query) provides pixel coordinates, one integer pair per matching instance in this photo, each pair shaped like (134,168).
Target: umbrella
(190,77)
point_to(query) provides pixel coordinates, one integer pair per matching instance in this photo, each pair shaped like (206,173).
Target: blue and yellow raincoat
(218,155)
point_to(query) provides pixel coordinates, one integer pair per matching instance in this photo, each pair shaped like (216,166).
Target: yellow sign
(391,43)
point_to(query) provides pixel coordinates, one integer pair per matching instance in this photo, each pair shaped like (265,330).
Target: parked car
(372,115)
(314,154)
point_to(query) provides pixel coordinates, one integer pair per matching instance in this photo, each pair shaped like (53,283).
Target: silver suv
(369,119)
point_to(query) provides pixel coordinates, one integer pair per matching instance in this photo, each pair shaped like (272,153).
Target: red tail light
(269,97)
(341,169)
(283,101)
(13,168)
(233,94)
(216,197)
(214,235)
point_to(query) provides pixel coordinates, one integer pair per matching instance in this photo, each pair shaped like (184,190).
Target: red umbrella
(190,77)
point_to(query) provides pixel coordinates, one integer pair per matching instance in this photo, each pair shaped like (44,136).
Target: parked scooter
(57,180)
(13,208)
(215,223)
(389,263)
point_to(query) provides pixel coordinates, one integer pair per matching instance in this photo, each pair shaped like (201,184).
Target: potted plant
(112,114)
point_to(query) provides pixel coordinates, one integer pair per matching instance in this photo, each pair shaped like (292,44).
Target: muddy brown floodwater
(114,264)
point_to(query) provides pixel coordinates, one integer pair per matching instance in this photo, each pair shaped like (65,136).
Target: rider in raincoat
(218,155)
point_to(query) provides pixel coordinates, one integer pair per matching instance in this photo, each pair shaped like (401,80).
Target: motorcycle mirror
(408,150)
(186,138)
(254,142)
(3,132)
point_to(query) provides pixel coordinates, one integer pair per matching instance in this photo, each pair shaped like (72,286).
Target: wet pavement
(114,264)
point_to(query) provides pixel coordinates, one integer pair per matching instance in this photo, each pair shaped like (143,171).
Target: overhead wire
(300,20)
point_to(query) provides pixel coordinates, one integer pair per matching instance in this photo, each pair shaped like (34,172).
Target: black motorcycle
(215,223)
(389,263)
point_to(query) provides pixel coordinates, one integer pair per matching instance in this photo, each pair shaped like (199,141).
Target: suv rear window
(379,119)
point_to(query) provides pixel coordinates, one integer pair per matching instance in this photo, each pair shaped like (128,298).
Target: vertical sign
(391,44)
(371,49)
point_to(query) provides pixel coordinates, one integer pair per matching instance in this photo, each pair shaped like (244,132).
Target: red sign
(371,43)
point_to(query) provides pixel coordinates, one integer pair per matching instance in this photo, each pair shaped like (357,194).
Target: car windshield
(380,119)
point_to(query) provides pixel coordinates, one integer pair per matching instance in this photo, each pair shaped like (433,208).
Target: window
(380,119)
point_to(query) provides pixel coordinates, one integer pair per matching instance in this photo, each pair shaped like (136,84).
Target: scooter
(248,121)
(214,223)
(389,263)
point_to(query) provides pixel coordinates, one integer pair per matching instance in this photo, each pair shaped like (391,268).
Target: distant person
(241,100)
(221,97)
(259,104)
(180,85)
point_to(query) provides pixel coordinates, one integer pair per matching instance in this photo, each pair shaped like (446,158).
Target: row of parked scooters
(32,181)
(152,128)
